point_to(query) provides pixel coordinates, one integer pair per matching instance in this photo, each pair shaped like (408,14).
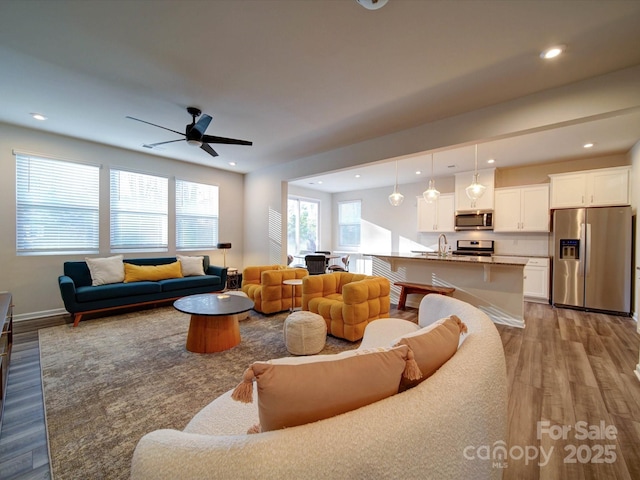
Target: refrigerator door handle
(581,251)
(587,260)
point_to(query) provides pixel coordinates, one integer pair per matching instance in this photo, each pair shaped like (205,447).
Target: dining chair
(316,264)
(326,253)
(338,268)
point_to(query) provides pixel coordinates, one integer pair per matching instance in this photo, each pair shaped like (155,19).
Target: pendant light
(431,194)
(475,190)
(396,198)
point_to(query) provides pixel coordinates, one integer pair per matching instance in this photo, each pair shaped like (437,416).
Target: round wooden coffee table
(214,320)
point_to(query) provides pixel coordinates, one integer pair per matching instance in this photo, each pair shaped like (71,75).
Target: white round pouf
(305,333)
(240,293)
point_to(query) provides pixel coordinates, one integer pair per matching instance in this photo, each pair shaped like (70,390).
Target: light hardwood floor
(566,366)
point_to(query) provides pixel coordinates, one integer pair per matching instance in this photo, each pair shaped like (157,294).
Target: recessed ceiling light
(38,116)
(233,164)
(320,182)
(418,172)
(491,160)
(357,175)
(552,52)
(588,145)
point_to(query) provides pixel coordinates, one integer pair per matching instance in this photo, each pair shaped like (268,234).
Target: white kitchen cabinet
(592,188)
(437,216)
(522,209)
(487,178)
(536,280)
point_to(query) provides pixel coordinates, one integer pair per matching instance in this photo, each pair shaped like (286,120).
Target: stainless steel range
(477,248)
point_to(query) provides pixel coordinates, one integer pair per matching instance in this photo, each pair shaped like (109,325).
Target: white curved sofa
(421,433)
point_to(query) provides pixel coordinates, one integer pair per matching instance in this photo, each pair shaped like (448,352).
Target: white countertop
(434,257)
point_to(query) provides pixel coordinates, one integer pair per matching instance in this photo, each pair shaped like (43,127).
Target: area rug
(111,380)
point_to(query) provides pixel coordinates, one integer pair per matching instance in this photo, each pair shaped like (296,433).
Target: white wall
(33,280)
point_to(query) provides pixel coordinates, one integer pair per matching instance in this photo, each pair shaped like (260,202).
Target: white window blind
(139,212)
(196,215)
(349,223)
(57,206)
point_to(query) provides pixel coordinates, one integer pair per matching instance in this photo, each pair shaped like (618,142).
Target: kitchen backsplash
(517,244)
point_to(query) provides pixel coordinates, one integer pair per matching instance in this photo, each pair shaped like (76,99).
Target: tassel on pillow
(411,369)
(461,324)
(255,429)
(244,391)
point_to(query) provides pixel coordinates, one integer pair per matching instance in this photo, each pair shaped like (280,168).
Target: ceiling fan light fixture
(372,4)
(194,143)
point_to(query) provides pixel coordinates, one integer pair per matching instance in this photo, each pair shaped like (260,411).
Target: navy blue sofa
(80,297)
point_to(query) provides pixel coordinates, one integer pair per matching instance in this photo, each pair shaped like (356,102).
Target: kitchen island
(493,284)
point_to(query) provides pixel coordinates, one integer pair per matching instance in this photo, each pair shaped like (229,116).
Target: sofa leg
(76,319)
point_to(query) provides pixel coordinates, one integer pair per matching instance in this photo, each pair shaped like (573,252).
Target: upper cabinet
(522,209)
(437,216)
(592,188)
(487,178)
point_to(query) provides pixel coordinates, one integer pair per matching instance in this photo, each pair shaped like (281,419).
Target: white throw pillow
(191,265)
(106,270)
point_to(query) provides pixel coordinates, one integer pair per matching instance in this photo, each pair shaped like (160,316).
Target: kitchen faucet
(442,247)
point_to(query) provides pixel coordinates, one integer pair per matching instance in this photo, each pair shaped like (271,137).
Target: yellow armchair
(263,284)
(347,301)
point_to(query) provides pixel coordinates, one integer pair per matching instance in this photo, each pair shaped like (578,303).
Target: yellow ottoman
(305,333)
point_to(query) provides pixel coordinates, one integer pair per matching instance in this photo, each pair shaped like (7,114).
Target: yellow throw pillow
(300,390)
(139,273)
(432,346)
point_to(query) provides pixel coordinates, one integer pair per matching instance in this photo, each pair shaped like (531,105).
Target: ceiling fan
(194,133)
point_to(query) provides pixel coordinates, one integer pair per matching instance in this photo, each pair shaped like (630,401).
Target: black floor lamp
(224,247)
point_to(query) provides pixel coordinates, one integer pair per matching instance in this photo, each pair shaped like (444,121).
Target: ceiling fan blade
(228,141)
(202,124)
(207,148)
(162,143)
(159,126)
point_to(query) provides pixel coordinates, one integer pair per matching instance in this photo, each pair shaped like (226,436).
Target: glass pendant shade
(430,195)
(475,190)
(396,198)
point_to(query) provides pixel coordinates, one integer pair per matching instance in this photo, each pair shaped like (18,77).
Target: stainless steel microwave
(475,220)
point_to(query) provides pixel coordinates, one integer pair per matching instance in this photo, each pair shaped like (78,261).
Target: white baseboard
(43,314)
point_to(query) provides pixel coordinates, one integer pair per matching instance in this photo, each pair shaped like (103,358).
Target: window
(138,212)
(196,215)
(349,223)
(57,206)
(302,225)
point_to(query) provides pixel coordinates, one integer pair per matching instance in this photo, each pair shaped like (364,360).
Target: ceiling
(299,78)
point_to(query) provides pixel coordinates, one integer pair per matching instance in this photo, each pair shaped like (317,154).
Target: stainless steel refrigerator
(592,259)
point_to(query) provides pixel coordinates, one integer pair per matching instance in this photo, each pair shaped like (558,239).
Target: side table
(234,279)
(293,282)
